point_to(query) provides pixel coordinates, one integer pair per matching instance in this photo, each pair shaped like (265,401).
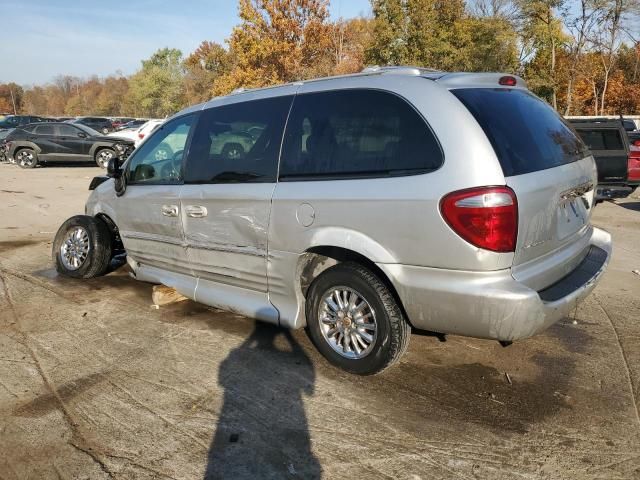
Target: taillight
(486,217)
(633,167)
(141,136)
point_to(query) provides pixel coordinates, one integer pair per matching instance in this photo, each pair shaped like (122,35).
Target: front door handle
(170,210)
(196,211)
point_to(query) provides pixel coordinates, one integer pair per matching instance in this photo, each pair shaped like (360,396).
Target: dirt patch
(9,245)
(44,404)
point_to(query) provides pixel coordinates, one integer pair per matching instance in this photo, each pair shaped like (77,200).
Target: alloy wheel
(347,322)
(75,248)
(25,158)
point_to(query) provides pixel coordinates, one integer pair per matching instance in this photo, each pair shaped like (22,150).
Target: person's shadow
(262,430)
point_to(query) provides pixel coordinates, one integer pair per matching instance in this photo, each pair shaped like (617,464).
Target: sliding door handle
(170,210)
(196,211)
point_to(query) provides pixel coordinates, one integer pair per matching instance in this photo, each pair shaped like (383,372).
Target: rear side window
(526,133)
(355,133)
(67,131)
(44,130)
(601,139)
(238,142)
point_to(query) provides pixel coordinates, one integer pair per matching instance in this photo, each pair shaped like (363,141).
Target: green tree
(389,45)
(440,34)
(490,45)
(542,34)
(157,89)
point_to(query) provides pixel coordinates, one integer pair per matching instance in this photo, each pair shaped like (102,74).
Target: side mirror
(113,167)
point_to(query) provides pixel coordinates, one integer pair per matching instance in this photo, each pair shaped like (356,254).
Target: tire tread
(400,330)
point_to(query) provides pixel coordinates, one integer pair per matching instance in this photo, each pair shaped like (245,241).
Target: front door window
(159,159)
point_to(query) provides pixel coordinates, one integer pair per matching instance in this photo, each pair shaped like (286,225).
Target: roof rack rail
(400,69)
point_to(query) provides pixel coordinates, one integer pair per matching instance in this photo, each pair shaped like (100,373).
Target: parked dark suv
(13,121)
(608,141)
(46,142)
(99,124)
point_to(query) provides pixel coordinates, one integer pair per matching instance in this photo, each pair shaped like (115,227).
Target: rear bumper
(493,304)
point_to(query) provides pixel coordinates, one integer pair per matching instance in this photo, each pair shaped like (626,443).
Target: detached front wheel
(82,247)
(354,320)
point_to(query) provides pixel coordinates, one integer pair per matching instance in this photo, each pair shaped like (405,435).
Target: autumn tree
(112,99)
(202,69)
(278,41)
(349,40)
(11,98)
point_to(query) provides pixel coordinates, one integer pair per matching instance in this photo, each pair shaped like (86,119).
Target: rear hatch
(552,174)
(608,143)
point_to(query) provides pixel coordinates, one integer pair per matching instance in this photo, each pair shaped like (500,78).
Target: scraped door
(226,202)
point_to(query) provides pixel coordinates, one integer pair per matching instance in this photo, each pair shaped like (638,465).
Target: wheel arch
(18,145)
(315,260)
(113,229)
(100,146)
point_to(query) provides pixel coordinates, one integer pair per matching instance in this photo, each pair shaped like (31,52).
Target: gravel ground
(94,383)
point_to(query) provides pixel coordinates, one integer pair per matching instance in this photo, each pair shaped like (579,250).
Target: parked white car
(140,133)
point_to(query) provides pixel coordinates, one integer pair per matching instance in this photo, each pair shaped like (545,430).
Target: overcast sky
(45,38)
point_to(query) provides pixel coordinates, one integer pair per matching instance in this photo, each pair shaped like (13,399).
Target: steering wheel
(172,167)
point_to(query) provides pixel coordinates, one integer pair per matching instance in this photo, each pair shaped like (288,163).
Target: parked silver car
(361,206)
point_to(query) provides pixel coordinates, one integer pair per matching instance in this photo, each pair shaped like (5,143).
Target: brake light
(508,81)
(141,136)
(636,143)
(486,217)
(633,166)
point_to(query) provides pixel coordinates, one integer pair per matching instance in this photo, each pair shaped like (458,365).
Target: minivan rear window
(525,132)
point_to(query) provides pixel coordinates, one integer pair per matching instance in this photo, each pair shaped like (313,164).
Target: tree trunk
(603,95)
(567,109)
(553,66)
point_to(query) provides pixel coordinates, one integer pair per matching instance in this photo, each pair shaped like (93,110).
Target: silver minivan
(359,207)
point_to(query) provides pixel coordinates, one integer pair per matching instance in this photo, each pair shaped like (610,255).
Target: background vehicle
(131,124)
(13,121)
(50,142)
(147,129)
(355,211)
(120,121)
(634,158)
(607,140)
(99,124)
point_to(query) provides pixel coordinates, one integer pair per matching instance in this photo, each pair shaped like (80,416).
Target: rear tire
(82,247)
(26,158)
(381,344)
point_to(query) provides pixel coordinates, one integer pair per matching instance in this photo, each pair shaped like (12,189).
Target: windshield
(8,122)
(525,132)
(89,130)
